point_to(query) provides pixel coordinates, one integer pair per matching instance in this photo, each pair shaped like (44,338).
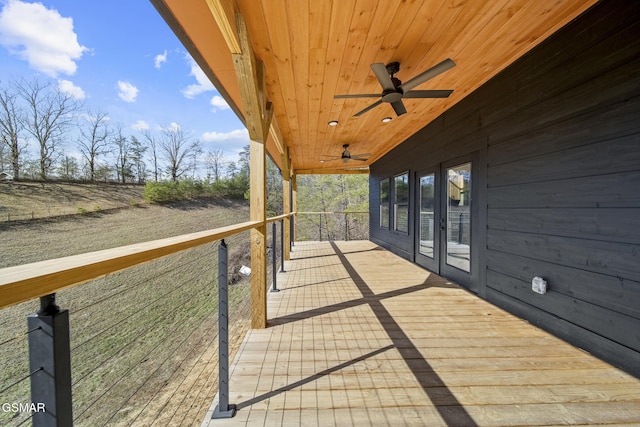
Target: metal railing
(48,332)
(333,225)
(48,329)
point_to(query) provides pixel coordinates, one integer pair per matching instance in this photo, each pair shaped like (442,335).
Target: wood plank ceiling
(315,49)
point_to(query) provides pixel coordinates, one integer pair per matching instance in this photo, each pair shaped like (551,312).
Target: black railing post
(460,227)
(282,245)
(291,219)
(223,409)
(50,362)
(274,260)
(346,228)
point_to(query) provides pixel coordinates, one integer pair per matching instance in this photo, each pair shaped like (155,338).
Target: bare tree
(214,161)
(93,140)
(137,157)
(194,159)
(153,146)
(5,164)
(11,126)
(49,114)
(103,172)
(178,149)
(232,170)
(68,168)
(125,161)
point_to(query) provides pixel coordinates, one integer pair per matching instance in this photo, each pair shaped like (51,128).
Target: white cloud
(173,127)
(69,88)
(140,125)
(160,59)
(219,103)
(234,135)
(128,92)
(40,36)
(203,84)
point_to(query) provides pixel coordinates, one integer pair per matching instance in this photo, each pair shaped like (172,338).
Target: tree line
(333,193)
(46,133)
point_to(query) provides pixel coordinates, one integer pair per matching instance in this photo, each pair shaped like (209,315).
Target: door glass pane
(459,217)
(427,226)
(401,206)
(384,203)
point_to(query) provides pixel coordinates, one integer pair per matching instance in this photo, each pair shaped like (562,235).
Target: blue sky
(120,57)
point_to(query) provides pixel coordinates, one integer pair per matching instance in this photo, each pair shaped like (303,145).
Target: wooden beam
(224,12)
(332,171)
(250,73)
(276,134)
(266,107)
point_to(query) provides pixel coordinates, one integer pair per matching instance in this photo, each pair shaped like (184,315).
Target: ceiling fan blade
(362,95)
(399,108)
(380,70)
(357,158)
(427,75)
(370,107)
(363,155)
(428,94)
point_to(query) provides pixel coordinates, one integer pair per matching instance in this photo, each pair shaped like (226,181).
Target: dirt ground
(28,200)
(144,340)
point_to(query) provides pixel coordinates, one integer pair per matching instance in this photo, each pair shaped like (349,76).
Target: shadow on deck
(359,336)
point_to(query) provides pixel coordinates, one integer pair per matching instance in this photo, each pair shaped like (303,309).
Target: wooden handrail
(279,217)
(24,282)
(28,281)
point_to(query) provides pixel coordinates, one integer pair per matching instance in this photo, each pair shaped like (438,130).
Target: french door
(444,219)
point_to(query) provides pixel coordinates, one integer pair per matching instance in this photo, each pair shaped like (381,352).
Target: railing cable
(26,377)
(133,366)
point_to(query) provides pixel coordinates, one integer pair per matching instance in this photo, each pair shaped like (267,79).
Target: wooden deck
(358,336)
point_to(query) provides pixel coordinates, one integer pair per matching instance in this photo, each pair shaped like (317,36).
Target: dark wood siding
(559,137)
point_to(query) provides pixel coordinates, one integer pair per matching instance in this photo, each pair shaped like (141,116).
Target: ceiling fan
(393,90)
(346,156)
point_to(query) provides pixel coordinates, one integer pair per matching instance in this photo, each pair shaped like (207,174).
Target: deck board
(358,336)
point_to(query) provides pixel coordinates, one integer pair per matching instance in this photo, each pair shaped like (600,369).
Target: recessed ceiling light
(333,123)
(386,120)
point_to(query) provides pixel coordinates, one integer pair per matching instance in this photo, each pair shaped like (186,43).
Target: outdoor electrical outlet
(539,285)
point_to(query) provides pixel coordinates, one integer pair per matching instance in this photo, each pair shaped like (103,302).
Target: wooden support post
(258,114)
(286,201)
(294,204)
(258,212)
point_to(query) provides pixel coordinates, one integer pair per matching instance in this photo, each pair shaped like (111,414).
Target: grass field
(144,340)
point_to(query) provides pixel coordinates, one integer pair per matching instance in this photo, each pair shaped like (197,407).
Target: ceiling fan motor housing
(392,95)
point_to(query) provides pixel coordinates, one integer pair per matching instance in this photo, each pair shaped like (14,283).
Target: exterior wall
(557,182)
